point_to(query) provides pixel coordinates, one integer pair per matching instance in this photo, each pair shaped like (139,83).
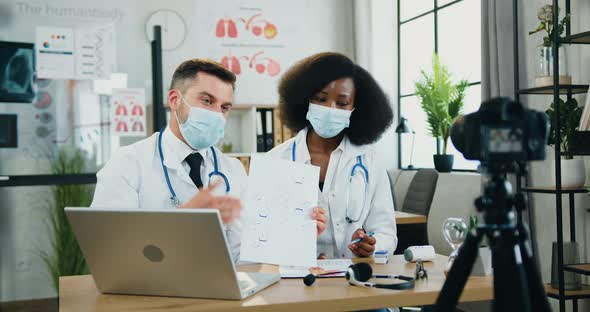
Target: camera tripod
(517,282)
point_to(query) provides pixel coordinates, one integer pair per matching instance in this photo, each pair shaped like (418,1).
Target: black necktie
(194,161)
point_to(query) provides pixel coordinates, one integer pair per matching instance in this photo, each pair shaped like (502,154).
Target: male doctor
(179,167)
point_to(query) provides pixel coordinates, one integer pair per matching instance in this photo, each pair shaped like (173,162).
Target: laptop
(171,252)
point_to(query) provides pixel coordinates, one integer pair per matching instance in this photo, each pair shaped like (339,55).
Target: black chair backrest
(420,192)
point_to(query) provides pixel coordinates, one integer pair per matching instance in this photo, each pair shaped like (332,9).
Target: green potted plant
(65,257)
(573,171)
(544,73)
(442,101)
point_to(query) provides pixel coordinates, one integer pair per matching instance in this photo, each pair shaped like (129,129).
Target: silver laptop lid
(172,252)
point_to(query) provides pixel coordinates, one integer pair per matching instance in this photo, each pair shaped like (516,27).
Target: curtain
(497,73)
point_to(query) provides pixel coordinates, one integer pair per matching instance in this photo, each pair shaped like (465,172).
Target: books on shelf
(277,127)
(585,120)
(269,132)
(264,130)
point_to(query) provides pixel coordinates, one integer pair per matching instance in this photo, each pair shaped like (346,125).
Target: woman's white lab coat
(133,178)
(378,214)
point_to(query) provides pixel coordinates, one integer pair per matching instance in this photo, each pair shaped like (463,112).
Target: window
(453,30)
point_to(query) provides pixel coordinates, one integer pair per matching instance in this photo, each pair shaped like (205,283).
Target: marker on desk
(358,240)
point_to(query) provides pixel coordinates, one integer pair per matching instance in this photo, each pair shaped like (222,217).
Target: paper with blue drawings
(277,224)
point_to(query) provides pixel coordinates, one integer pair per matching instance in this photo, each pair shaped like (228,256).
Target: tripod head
(498,198)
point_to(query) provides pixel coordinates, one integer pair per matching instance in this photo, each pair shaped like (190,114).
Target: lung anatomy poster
(256,40)
(128,116)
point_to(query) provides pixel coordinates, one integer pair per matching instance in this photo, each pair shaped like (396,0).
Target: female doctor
(338,110)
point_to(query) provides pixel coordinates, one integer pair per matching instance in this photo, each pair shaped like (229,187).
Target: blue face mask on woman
(203,128)
(328,122)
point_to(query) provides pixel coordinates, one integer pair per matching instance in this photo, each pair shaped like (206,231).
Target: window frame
(400,96)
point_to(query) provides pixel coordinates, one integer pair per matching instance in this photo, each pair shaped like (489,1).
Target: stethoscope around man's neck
(359,165)
(173,198)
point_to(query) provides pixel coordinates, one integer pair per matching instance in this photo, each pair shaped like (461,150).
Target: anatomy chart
(278,228)
(82,53)
(128,115)
(253,39)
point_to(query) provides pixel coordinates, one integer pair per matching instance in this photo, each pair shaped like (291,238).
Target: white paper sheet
(95,52)
(55,52)
(324,265)
(278,228)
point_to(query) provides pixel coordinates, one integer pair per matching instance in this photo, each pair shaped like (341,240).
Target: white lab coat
(378,215)
(133,178)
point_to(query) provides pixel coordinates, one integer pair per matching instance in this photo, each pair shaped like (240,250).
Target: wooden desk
(79,294)
(409,218)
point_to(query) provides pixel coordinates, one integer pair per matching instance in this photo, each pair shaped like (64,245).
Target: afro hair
(372,114)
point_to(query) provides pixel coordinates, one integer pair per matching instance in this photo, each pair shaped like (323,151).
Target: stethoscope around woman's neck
(173,198)
(359,165)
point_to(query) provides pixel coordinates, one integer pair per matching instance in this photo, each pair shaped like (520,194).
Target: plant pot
(572,281)
(573,173)
(544,74)
(443,163)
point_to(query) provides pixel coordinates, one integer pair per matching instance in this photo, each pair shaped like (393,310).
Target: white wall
(376,50)
(22,233)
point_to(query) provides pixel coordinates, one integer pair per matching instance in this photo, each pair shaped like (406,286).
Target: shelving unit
(568,294)
(563,89)
(556,90)
(581,268)
(581,38)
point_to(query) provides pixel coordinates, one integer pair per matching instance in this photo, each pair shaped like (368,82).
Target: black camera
(502,130)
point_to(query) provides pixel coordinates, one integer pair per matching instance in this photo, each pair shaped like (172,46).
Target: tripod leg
(449,295)
(510,282)
(536,291)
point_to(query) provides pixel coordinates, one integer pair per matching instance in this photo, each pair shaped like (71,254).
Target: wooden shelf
(552,190)
(581,38)
(569,294)
(563,89)
(581,268)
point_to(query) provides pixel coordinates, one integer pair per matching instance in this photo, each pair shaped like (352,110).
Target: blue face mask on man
(203,128)
(328,122)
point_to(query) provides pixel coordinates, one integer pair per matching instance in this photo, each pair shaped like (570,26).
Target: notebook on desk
(324,267)
(168,252)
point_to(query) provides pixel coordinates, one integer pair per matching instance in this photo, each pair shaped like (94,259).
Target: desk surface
(408,218)
(78,293)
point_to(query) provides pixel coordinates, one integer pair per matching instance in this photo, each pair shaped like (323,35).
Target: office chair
(418,200)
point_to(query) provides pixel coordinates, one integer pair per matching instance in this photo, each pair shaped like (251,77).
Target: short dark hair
(372,114)
(189,70)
